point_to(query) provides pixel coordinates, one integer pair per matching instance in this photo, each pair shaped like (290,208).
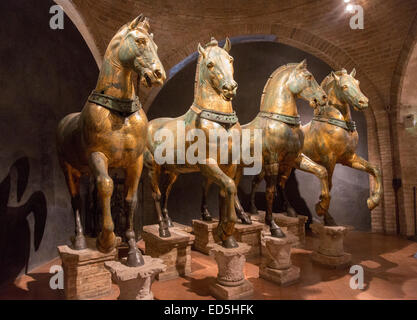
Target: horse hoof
(230,243)
(253,210)
(291,213)
(329,221)
(164,232)
(277,233)
(371,203)
(245,218)
(320,210)
(134,258)
(80,243)
(107,243)
(206,216)
(168,222)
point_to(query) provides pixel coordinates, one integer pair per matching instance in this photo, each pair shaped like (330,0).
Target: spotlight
(346,1)
(349,8)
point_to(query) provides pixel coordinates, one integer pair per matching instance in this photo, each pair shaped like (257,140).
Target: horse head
(303,85)
(137,51)
(216,68)
(346,89)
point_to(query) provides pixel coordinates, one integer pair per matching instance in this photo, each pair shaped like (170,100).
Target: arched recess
(379,140)
(77,19)
(404,103)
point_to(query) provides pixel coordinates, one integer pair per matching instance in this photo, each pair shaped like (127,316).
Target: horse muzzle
(153,77)
(229,90)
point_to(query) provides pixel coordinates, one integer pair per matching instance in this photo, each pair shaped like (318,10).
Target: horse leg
(227,208)
(284,175)
(271,182)
(358,163)
(154,175)
(240,212)
(172,178)
(72,177)
(205,213)
(328,219)
(133,173)
(106,240)
(255,183)
(306,164)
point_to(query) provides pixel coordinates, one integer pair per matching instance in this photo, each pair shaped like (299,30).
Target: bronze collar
(125,106)
(292,120)
(216,116)
(347,125)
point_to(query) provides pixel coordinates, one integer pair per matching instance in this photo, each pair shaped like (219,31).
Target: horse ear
(227,45)
(202,51)
(353,73)
(335,76)
(135,22)
(302,65)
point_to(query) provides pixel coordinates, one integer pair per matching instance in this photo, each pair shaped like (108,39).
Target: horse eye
(345,87)
(309,77)
(141,41)
(210,65)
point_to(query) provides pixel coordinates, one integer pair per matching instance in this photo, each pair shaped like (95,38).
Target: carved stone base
(135,282)
(283,277)
(342,261)
(85,276)
(251,235)
(330,251)
(245,290)
(276,264)
(174,251)
(296,225)
(203,232)
(230,282)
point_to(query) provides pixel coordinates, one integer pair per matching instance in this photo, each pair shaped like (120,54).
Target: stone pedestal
(135,282)
(231,283)
(330,251)
(251,235)
(174,251)
(85,276)
(296,225)
(203,232)
(276,263)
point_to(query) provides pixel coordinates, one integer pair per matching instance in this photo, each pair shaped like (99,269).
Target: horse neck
(207,98)
(335,107)
(114,79)
(277,97)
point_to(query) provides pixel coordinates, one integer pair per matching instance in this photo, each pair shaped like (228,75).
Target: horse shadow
(15,231)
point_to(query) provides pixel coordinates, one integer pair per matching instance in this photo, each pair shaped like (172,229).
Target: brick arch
(400,70)
(379,141)
(77,19)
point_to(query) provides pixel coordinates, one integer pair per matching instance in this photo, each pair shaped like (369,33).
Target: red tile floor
(389,267)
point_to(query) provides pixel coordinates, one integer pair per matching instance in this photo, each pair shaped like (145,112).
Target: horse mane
(330,80)
(213,43)
(273,75)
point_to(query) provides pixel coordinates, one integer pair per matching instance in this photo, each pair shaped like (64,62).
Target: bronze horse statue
(211,112)
(110,132)
(331,136)
(282,137)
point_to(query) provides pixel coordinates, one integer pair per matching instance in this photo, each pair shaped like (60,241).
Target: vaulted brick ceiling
(179,25)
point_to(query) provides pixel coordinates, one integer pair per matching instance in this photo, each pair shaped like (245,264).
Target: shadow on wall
(15,234)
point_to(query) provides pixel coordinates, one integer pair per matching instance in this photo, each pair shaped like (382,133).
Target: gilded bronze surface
(214,91)
(328,142)
(282,138)
(99,137)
